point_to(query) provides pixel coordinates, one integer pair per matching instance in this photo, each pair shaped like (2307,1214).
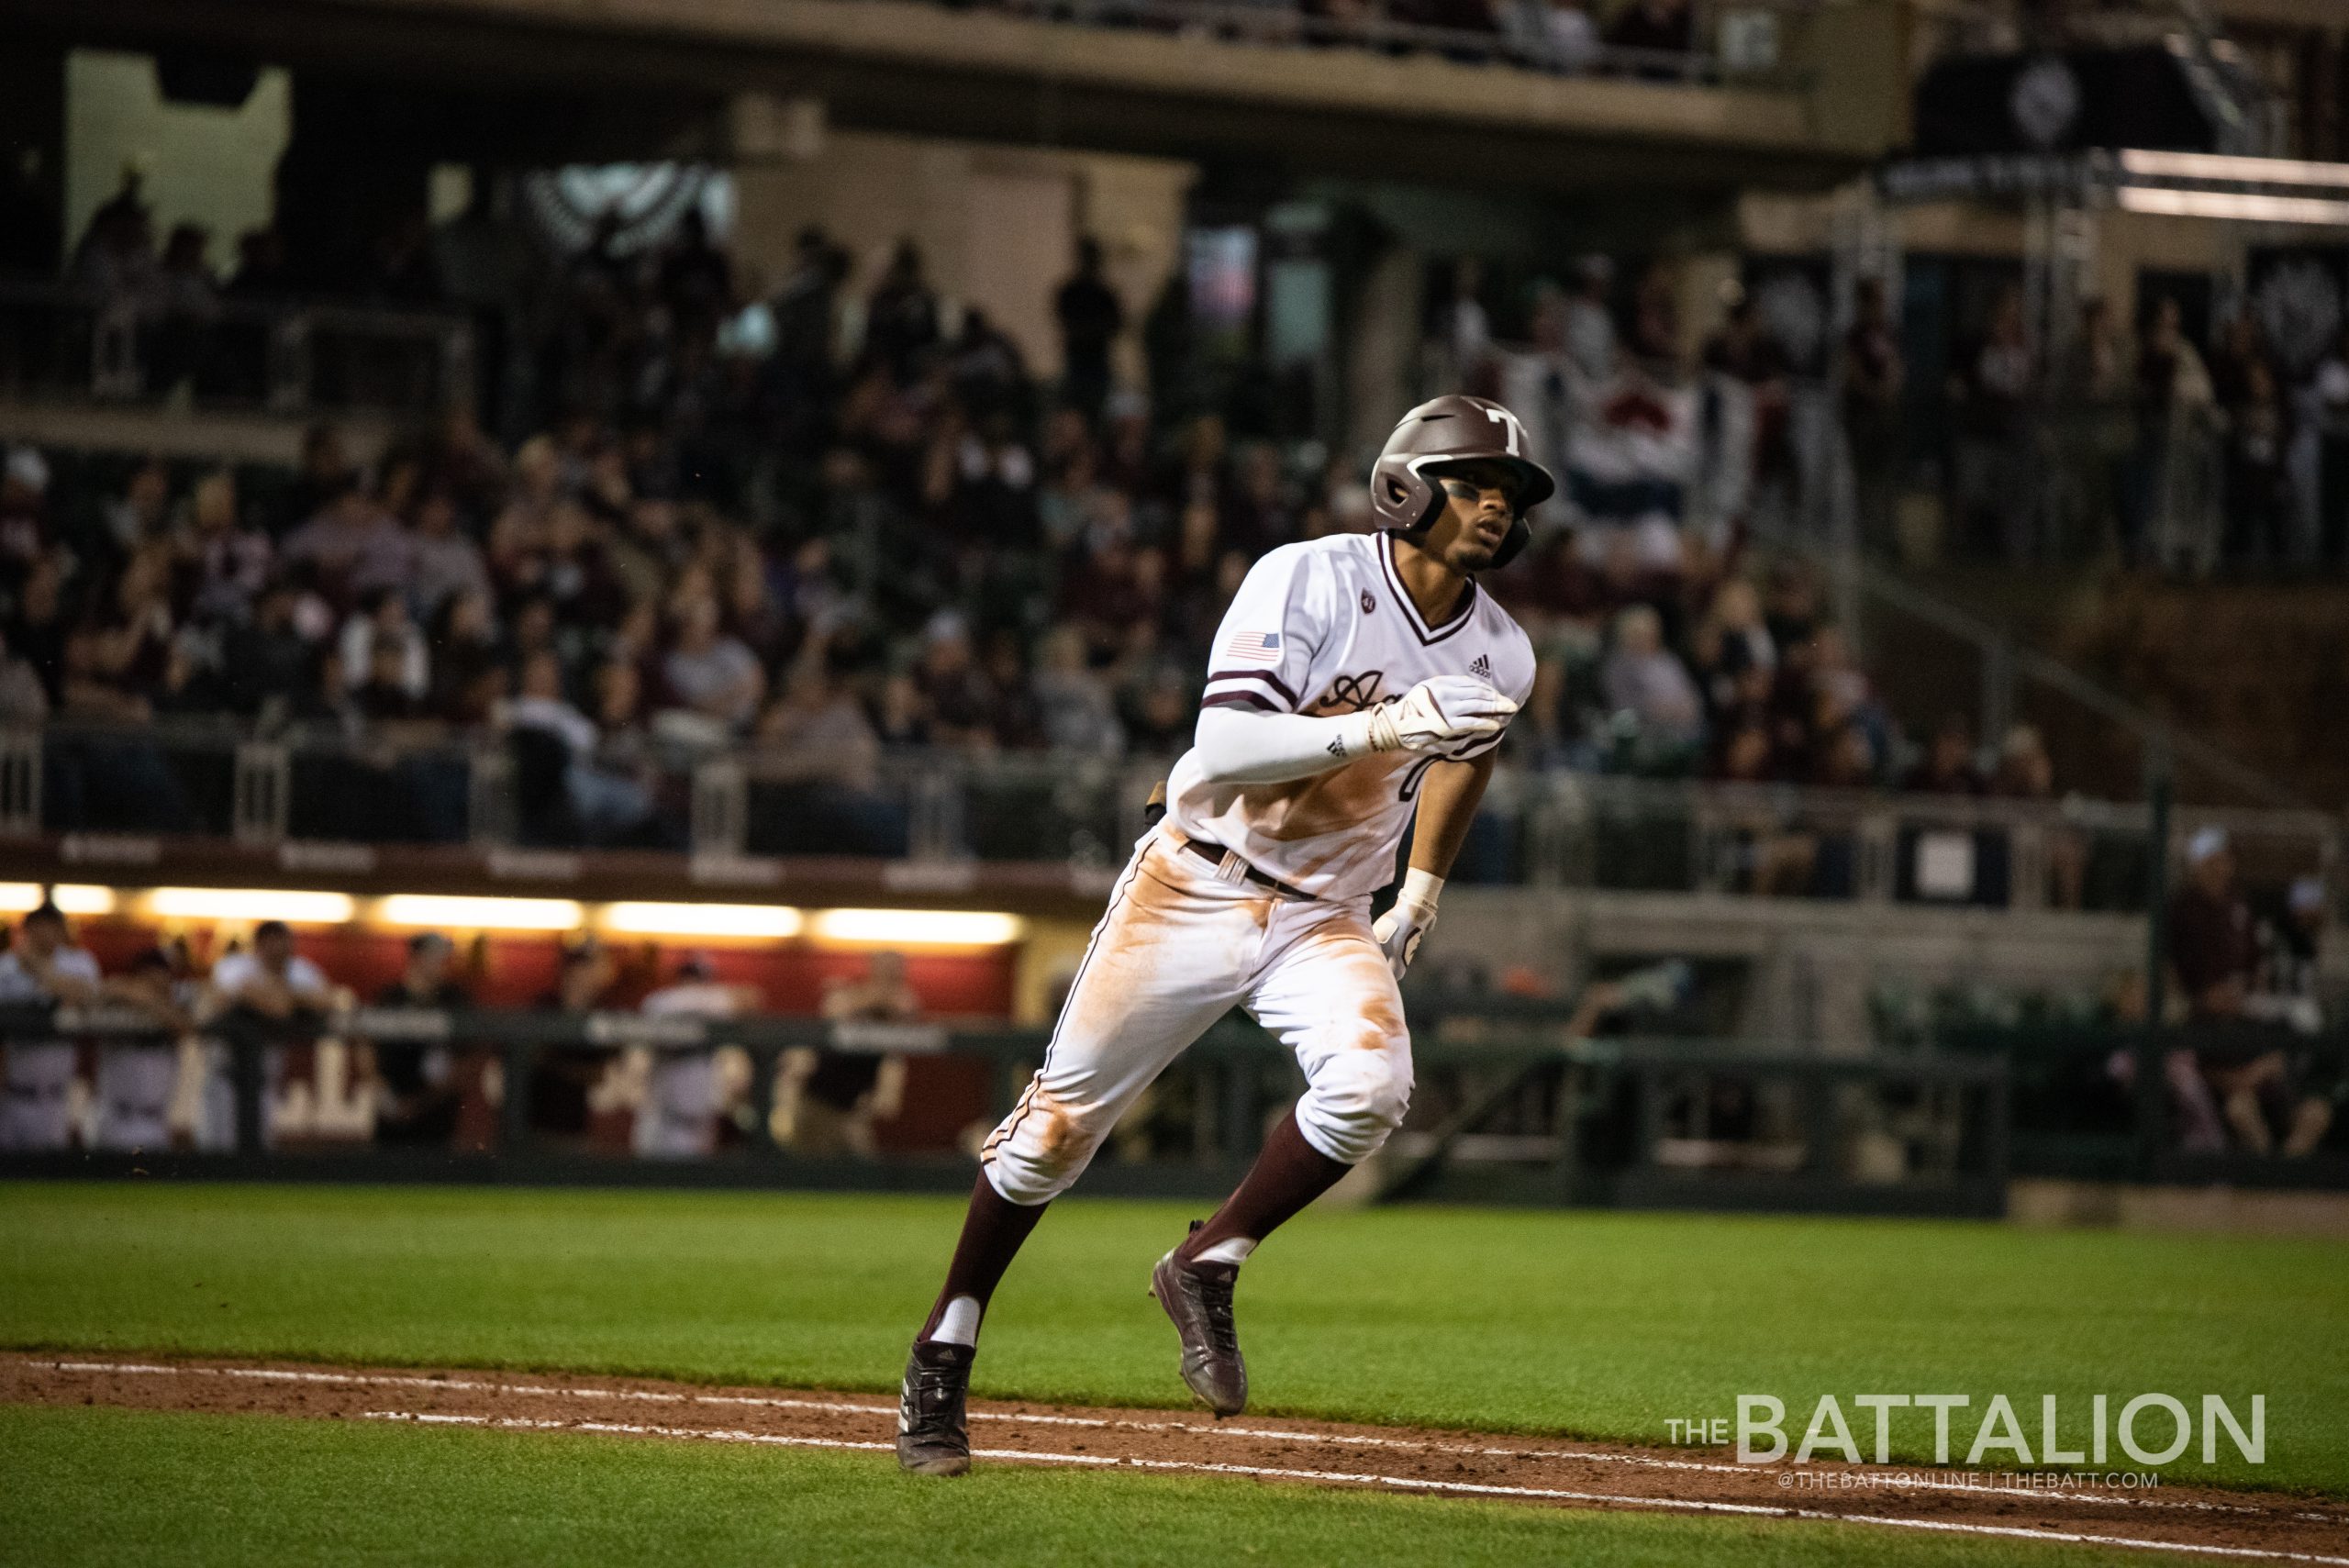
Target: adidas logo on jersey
(1482,669)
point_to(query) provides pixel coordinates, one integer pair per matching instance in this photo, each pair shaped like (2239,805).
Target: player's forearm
(1445,712)
(1238,747)
(1448,800)
(1448,797)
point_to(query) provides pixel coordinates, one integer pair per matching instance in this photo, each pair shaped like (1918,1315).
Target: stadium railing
(1725,41)
(2100,1102)
(63,343)
(186,780)
(1631,1122)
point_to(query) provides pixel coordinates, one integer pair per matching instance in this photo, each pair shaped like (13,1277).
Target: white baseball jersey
(1321,628)
(134,1089)
(234,974)
(678,1119)
(1324,627)
(35,1093)
(231,977)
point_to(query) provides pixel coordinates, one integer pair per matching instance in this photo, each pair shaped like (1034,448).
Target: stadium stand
(606,553)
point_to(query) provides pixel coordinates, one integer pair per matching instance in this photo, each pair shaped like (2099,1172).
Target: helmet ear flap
(1401,497)
(1513,543)
(1431,508)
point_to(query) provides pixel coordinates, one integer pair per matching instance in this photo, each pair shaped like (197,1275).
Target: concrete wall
(991,221)
(1379,353)
(1854,61)
(2128,242)
(206,165)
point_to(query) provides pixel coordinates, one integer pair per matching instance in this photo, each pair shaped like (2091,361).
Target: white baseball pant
(34,1096)
(134,1093)
(1179,946)
(678,1119)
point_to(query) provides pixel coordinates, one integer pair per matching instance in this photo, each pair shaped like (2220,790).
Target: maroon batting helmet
(1454,429)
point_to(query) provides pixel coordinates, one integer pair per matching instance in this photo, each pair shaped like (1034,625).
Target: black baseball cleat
(1197,1299)
(933,1435)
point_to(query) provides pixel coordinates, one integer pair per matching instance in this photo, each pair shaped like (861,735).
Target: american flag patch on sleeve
(1257,647)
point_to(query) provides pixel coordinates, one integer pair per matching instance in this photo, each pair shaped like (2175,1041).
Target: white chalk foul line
(1397,1483)
(841,1406)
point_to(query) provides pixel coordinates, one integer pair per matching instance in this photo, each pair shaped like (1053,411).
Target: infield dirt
(2202,1521)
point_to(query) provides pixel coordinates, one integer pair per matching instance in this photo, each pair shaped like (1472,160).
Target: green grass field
(1600,1325)
(108,1486)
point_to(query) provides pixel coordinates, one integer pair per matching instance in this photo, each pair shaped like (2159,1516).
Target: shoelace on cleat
(935,1390)
(1215,1303)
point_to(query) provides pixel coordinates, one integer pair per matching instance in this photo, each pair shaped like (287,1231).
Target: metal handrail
(232,352)
(2290,814)
(1234,1050)
(1375,29)
(945,813)
(389,319)
(1995,642)
(1819,803)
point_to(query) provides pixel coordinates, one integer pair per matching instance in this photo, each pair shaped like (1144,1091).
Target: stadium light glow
(81,898)
(2242,207)
(916,927)
(444,912)
(72,897)
(2226,166)
(754,920)
(294,905)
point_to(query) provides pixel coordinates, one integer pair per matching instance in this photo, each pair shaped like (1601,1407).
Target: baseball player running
(1356,681)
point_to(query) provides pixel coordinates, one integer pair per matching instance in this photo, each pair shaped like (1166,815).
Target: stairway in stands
(2260,670)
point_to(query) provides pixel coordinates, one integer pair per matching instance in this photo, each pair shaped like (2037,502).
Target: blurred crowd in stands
(833,524)
(2168,453)
(2248,984)
(172,1085)
(2085,445)
(2254,1064)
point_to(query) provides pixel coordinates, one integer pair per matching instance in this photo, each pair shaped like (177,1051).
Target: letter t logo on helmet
(1454,429)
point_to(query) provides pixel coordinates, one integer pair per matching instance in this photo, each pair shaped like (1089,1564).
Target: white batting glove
(1400,929)
(1438,713)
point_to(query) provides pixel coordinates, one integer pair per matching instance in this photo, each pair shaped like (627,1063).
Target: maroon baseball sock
(1288,1174)
(992,1231)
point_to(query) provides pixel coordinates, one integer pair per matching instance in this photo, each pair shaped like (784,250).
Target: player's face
(1479,505)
